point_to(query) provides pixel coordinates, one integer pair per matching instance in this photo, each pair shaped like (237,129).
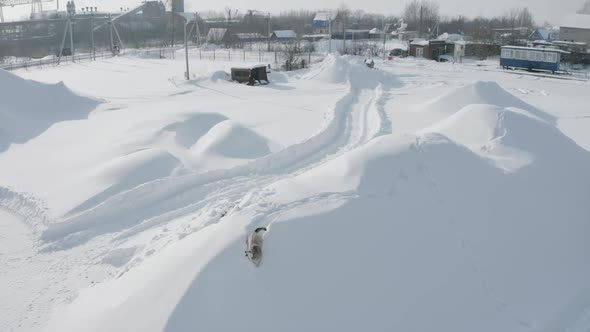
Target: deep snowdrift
(28,108)
(482,92)
(349,70)
(511,137)
(476,223)
(231,140)
(464,212)
(188,131)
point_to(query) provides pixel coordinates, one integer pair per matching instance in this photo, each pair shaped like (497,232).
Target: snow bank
(349,70)
(188,131)
(231,140)
(511,137)
(481,92)
(28,108)
(211,75)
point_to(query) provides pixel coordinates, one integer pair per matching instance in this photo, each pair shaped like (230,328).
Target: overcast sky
(543,10)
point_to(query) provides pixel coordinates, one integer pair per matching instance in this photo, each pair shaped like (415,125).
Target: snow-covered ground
(418,196)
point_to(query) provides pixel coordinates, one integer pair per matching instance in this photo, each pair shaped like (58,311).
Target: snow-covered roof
(285,34)
(563,42)
(450,37)
(543,42)
(323,16)
(419,42)
(317,35)
(579,21)
(526,48)
(249,35)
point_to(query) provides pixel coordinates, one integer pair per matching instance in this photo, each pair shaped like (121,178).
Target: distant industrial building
(575,28)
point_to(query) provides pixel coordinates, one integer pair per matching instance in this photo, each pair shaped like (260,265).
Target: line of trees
(419,15)
(423,16)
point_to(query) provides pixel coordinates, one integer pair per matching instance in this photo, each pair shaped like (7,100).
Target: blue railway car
(531,58)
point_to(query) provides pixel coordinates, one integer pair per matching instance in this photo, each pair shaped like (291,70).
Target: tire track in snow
(159,201)
(30,209)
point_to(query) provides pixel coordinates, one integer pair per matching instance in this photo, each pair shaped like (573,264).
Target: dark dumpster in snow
(250,75)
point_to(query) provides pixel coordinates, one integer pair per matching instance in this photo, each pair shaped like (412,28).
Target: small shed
(437,48)
(419,48)
(283,35)
(250,75)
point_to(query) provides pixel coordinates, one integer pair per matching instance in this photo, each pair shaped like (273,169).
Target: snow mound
(210,76)
(28,108)
(190,130)
(119,174)
(337,69)
(510,136)
(219,75)
(278,77)
(482,92)
(230,139)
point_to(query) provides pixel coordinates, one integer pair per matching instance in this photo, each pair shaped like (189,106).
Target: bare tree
(525,18)
(291,53)
(421,15)
(585,8)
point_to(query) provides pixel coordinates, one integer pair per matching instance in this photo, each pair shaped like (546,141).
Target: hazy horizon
(542,10)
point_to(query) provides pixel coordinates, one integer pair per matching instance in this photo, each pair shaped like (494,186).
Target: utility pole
(172,13)
(268,32)
(92,38)
(198,32)
(329,33)
(186,74)
(421,17)
(384,37)
(344,33)
(186,37)
(63,41)
(111,32)
(71,40)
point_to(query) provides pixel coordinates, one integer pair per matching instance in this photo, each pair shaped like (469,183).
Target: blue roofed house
(321,23)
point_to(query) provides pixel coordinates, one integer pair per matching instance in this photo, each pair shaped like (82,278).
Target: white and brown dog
(254,246)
